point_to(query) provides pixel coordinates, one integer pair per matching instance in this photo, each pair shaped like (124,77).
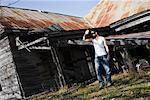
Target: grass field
(124,88)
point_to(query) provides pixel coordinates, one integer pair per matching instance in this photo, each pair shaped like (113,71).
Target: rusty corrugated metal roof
(109,11)
(32,19)
(140,35)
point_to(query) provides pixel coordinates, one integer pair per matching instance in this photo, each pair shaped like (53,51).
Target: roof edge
(41,11)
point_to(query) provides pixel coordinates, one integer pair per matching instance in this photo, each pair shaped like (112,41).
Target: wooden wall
(36,69)
(8,75)
(75,65)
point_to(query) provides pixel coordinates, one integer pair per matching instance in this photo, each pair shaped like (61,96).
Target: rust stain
(127,4)
(23,18)
(103,20)
(12,22)
(143,7)
(110,7)
(125,15)
(109,11)
(19,14)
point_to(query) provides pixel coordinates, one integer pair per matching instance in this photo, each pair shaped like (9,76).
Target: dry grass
(124,88)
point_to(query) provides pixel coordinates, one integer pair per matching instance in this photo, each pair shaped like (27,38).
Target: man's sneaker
(109,84)
(101,86)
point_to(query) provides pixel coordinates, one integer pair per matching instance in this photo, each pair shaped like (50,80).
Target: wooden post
(129,62)
(58,65)
(90,65)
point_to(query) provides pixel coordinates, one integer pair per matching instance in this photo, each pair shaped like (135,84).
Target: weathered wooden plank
(79,42)
(40,48)
(8,80)
(5,49)
(119,42)
(59,67)
(34,68)
(125,42)
(32,43)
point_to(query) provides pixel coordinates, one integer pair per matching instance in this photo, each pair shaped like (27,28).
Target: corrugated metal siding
(109,11)
(24,18)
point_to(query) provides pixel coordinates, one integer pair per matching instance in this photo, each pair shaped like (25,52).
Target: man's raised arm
(84,36)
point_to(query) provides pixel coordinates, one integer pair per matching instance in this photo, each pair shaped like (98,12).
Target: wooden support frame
(1,30)
(32,43)
(58,65)
(78,42)
(129,61)
(40,48)
(18,43)
(118,42)
(22,45)
(123,42)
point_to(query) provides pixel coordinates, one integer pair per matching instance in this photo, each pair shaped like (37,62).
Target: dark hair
(90,34)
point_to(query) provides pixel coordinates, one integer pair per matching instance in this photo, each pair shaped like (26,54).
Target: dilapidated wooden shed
(42,51)
(30,62)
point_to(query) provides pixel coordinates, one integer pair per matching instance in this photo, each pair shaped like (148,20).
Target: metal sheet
(109,11)
(25,18)
(141,35)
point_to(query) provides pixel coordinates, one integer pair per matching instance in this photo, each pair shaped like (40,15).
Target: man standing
(101,55)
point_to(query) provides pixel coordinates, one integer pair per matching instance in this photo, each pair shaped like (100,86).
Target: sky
(69,7)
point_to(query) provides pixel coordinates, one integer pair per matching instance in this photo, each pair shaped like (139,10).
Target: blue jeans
(102,61)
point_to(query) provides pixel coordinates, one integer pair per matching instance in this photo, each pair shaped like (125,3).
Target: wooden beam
(60,75)
(122,42)
(118,42)
(18,42)
(1,30)
(31,43)
(129,62)
(40,48)
(78,42)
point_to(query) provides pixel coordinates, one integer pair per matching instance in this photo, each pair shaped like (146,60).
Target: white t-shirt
(99,46)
